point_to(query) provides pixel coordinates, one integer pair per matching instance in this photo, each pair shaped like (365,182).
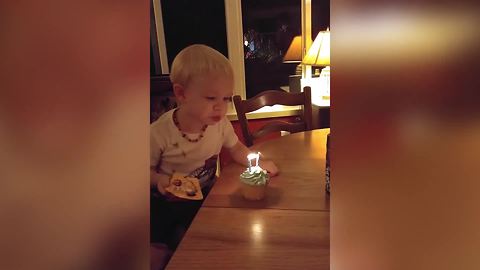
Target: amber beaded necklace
(184,135)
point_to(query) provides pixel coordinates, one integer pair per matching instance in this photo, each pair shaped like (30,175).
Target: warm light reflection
(320,90)
(257,231)
(257,228)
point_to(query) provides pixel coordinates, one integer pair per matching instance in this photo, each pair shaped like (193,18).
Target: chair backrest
(161,96)
(270,98)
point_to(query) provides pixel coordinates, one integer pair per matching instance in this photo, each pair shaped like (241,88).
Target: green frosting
(257,177)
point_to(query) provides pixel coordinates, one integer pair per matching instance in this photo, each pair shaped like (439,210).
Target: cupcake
(254,183)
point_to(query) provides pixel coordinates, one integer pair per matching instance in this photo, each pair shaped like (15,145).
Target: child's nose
(218,106)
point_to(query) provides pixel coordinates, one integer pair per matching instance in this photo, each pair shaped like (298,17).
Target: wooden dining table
(288,229)
(300,184)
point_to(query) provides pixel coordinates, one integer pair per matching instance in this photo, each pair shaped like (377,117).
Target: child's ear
(179,92)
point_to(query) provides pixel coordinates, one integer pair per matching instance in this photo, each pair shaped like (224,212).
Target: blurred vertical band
(74,134)
(405,113)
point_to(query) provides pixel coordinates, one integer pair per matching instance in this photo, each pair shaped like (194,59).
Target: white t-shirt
(170,152)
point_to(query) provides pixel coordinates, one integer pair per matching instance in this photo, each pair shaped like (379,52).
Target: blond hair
(197,60)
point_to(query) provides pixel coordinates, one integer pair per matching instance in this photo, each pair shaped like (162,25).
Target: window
(267,34)
(188,22)
(220,24)
(180,23)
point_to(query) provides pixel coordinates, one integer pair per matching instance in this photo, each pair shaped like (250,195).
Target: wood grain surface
(240,238)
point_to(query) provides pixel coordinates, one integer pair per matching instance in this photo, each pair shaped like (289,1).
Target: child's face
(206,98)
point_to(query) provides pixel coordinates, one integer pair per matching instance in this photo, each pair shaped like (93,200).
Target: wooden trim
(162,49)
(233,19)
(154,42)
(306,34)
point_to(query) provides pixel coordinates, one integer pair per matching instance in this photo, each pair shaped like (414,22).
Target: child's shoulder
(163,121)
(161,129)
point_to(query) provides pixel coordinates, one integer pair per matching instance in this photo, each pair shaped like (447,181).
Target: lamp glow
(294,51)
(319,52)
(319,55)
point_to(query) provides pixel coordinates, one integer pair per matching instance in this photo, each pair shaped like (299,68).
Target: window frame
(162,49)
(234,26)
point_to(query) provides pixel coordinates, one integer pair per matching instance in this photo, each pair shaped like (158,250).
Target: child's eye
(227,99)
(210,98)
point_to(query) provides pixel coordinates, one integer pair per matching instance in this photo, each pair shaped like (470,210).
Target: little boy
(188,139)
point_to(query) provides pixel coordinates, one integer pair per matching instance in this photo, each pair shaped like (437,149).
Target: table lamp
(319,56)
(294,55)
(294,51)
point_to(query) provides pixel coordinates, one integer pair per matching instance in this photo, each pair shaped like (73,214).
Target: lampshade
(294,52)
(319,52)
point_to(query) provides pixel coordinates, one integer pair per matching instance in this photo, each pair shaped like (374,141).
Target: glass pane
(188,22)
(320,16)
(269,27)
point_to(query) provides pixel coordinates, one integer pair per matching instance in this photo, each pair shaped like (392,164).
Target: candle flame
(251,156)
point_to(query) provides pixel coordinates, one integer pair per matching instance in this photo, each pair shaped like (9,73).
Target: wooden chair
(270,98)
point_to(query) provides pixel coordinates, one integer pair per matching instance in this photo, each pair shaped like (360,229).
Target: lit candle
(250,157)
(258,158)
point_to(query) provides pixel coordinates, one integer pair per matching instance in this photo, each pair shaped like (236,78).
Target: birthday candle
(250,157)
